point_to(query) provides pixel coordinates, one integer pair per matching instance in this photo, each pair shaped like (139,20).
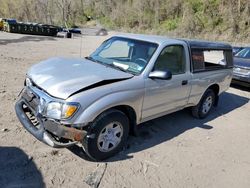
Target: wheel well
(130,112)
(216,89)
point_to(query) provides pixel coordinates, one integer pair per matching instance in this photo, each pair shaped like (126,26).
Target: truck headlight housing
(57,110)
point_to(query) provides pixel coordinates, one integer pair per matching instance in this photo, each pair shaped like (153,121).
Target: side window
(208,59)
(116,49)
(172,58)
(198,60)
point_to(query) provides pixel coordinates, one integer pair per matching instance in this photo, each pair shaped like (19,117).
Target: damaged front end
(49,131)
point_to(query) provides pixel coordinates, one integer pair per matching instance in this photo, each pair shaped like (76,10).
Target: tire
(203,108)
(114,125)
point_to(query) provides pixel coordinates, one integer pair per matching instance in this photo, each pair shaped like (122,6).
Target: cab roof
(193,44)
(201,44)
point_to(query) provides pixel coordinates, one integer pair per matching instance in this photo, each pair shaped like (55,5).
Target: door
(162,96)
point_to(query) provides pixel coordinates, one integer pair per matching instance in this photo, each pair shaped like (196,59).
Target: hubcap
(207,105)
(110,137)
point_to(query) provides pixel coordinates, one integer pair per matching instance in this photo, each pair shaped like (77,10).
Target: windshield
(245,53)
(127,55)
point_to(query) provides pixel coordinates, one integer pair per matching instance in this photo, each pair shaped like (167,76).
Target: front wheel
(110,131)
(205,105)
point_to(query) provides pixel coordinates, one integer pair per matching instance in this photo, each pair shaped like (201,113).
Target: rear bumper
(44,131)
(242,80)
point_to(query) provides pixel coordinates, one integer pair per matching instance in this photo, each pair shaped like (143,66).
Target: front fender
(130,98)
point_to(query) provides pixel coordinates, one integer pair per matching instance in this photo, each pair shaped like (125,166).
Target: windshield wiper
(118,67)
(121,69)
(95,60)
(92,59)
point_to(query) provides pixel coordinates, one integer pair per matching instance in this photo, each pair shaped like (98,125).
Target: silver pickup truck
(130,79)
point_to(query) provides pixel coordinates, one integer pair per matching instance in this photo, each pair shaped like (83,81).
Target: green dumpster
(1,23)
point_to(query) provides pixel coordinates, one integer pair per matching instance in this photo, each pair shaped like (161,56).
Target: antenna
(81,46)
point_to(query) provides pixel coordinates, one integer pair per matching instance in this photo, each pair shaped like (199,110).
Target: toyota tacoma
(130,79)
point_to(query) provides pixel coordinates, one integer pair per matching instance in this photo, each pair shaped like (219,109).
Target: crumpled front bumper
(45,128)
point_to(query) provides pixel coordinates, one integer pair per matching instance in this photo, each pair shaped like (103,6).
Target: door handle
(184,82)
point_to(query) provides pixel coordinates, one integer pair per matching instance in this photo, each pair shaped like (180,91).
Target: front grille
(31,116)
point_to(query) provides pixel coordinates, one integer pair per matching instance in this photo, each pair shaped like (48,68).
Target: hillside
(207,19)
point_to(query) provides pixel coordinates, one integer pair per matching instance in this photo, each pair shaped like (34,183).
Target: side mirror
(162,75)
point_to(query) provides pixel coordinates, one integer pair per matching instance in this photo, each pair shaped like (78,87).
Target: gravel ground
(173,151)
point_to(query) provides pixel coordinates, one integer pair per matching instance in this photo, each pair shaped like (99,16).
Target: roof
(192,43)
(208,45)
(149,38)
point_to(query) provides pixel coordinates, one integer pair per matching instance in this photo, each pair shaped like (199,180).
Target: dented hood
(63,77)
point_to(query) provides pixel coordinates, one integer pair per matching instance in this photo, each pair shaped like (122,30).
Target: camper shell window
(207,56)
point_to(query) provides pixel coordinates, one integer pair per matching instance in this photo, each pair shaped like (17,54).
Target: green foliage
(197,5)
(107,22)
(170,24)
(187,18)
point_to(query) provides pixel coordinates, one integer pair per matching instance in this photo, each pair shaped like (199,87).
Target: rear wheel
(110,132)
(205,105)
